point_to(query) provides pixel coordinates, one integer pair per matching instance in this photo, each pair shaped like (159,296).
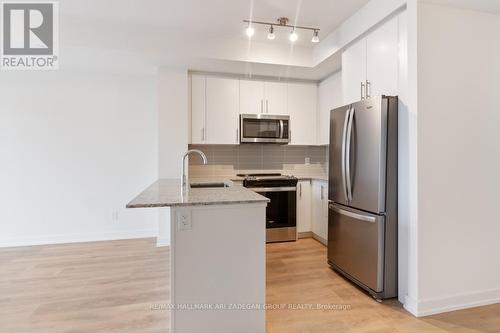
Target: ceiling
(281,72)
(487,6)
(206,35)
(222,18)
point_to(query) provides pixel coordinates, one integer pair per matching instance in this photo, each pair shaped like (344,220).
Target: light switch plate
(184,220)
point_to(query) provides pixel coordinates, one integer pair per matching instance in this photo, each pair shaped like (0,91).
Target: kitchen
(259,173)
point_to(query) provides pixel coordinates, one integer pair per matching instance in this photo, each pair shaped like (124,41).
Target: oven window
(281,211)
(261,128)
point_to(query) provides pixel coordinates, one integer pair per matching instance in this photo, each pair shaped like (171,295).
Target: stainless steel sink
(208,185)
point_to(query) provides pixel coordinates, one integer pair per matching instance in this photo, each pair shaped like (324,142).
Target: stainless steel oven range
(281,211)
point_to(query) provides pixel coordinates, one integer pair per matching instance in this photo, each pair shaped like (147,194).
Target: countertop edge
(240,179)
(188,204)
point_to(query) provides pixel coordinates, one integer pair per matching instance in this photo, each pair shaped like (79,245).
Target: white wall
(173,117)
(458,158)
(173,120)
(406,149)
(75,147)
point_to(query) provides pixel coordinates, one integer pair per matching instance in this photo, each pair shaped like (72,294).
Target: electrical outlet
(184,220)
(307,160)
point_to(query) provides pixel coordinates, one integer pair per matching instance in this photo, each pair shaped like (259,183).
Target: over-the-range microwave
(264,128)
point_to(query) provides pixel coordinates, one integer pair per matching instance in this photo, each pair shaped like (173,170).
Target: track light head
(250,31)
(271,34)
(315,37)
(293,36)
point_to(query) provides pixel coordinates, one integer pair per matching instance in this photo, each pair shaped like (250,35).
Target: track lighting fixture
(282,22)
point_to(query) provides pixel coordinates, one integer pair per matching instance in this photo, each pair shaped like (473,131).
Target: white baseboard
(458,302)
(304,234)
(410,305)
(310,234)
(162,242)
(320,239)
(77,238)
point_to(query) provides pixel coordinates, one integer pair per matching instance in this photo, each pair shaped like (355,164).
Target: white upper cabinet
(217,102)
(382,59)
(262,97)
(251,97)
(198,109)
(302,108)
(370,66)
(354,72)
(329,97)
(222,109)
(275,98)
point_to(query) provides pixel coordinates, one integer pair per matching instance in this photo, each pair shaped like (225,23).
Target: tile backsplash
(228,160)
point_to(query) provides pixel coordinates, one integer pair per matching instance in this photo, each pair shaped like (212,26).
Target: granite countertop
(167,193)
(321,178)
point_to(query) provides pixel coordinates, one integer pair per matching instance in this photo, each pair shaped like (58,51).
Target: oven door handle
(281,129)
(273,189)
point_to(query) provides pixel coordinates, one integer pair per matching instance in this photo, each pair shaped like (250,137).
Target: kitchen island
(217,255)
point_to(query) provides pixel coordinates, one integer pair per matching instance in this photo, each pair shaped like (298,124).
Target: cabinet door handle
(237,135)
(300,190)
(322,190)
(261,106)
(362,90)
(203,134)
(368,89)
(267,106)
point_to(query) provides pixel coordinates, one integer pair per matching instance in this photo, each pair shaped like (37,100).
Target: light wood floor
(298,273)
(115,286)
(86,287)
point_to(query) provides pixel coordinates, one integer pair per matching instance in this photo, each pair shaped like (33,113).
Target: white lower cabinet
(304,206)
(319,209)
(312,208)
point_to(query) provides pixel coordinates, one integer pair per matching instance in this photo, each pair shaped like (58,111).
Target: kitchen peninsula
(217,254)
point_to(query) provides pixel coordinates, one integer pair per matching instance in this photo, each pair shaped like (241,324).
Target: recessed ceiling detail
(282,22)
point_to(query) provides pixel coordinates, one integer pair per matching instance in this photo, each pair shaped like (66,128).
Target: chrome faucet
(184,179)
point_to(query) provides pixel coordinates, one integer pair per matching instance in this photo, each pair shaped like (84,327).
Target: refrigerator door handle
(356,216)
(342,161)
(348,155)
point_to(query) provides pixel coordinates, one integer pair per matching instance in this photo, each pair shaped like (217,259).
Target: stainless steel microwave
(264,128)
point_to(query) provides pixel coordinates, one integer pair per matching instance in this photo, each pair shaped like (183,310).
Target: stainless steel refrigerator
(363,173)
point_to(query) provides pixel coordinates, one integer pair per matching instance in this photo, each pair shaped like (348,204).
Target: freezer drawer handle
(353,215)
